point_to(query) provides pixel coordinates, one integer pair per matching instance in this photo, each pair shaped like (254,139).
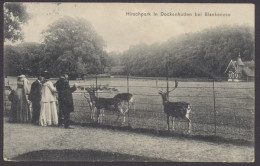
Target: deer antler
(159,90)
(176,85)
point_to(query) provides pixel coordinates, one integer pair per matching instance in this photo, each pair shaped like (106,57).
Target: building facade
(239,70)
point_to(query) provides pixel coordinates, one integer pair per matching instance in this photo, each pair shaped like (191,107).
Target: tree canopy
(74,46)
(202,54)
(70,45)
(15,15)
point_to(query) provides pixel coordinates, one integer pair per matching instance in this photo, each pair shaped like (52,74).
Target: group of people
(43,100)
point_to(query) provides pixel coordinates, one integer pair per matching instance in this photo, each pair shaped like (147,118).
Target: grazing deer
(119,103)
(175,109)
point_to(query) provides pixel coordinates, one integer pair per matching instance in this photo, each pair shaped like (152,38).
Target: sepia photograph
(129,82)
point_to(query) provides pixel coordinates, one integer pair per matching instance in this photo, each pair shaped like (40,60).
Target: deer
(175,109)
(92,107)
(119,104)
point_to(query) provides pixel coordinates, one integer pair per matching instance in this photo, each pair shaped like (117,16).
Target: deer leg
(97,115)
(124,118)
(102,114)
(128,116)
(117,118)
(92,116)
(173,123)
(168,122)
(189,123)
(94,113)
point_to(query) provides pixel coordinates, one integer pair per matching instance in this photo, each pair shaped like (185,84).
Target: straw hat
(21,76)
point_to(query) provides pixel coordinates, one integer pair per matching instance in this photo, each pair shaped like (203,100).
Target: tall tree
(73,46)
(15,15)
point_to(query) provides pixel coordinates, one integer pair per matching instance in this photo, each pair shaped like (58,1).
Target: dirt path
(23,138)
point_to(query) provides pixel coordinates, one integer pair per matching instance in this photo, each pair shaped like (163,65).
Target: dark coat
(65,95)
(35,93)
(13,97)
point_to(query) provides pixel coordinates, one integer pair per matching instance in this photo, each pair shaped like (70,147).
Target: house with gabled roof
(239,70)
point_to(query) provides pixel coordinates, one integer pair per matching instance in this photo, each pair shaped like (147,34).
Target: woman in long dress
(20,105)
(48,113)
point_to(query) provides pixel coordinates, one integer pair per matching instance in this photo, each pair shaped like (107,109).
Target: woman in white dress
(48,113)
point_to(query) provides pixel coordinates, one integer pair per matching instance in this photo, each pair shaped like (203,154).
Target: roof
(250,64)
(247,67)
(239,61)
(231,63)
(247,71)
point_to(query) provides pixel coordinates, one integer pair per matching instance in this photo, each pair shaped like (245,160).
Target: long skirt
(48,114)
(23,112)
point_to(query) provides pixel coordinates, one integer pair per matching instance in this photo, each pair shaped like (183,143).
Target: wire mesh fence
(224,109)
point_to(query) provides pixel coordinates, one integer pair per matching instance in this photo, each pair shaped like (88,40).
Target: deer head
(91,92)
(165,94)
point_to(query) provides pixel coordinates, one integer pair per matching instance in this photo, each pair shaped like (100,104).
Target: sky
(120,30)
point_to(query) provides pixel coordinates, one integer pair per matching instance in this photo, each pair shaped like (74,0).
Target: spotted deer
(119,103)
(175,109)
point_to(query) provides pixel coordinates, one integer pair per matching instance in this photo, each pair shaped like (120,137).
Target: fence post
(127,80)
(96,87)
(214,101)
(167,75)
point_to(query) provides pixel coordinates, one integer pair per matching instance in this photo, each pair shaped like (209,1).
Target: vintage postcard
(137,82)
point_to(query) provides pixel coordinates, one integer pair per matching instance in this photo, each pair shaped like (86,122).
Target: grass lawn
(234,106)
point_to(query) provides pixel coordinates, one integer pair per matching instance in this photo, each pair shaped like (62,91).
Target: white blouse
(25,84)
(48,91)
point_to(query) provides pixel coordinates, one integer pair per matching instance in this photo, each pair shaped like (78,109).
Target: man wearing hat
(65,99)
(35,98)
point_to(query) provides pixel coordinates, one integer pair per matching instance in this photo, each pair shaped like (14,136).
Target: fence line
(191,87)
(210,119)
(136,102)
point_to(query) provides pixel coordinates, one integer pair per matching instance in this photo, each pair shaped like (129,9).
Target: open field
(233,116)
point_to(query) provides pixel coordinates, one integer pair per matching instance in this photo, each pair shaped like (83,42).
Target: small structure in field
(239,70)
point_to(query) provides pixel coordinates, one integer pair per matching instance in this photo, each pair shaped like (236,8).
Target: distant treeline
(202,54)
(73,46)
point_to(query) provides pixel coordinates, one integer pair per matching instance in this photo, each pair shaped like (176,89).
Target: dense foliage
(73,46)
(25,58)
(70,45)
(203,54)
(15,15)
